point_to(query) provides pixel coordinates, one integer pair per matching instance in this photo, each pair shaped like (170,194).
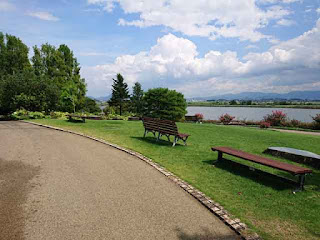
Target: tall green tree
(13,55)
(137,99)
(62,67)
(120,93)
(164,104)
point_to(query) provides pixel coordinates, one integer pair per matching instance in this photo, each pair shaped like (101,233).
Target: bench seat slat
(264,161)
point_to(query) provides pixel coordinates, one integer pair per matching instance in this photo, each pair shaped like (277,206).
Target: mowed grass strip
(265,203)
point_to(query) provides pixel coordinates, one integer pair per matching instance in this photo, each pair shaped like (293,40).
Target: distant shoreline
(256,106)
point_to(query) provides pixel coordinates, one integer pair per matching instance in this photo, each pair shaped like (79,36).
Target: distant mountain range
(297,95)
(257,96)
(101,99)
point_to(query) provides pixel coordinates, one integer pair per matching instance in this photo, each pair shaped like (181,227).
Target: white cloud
(43,16)
(6,6)
(286,22)
(213,19)
(173,62)
(318,10)
(279,1)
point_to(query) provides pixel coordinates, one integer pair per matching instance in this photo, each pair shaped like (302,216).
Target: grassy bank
(266,204)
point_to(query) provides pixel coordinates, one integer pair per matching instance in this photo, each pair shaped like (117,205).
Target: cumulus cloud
(286,22)
(43,16)
(6,6)
(173,62)
(213,19)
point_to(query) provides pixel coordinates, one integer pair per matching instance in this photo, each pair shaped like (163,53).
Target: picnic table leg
(301,182)
(145,133)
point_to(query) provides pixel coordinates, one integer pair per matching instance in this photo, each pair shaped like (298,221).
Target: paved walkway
(299,132)
(55,185)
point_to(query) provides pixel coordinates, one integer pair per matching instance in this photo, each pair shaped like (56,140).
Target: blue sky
(200,48)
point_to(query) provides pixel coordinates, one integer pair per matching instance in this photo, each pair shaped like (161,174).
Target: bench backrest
(162,126)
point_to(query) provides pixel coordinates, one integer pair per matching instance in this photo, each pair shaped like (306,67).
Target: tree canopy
(164,104)
(137,99)
(120,93)
(50,82)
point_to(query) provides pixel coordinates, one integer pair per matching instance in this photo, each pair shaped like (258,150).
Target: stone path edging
(234,223)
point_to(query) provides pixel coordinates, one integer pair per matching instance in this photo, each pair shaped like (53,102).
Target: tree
(13,55)
(62,68)
(26,90)
(120,93)
(90,106)
(137,99)
(164,104)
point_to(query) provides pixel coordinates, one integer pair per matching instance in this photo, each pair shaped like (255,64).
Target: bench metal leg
(159,135)
(219,156)
(174,141)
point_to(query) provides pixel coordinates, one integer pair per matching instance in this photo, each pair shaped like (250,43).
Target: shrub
(24,114)
(316,121)
(199,116)
(226,118)
(264,125)
(295,123)
(36,115)
(58,115)
(277,118)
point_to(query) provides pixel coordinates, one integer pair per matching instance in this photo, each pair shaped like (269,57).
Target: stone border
(234,223)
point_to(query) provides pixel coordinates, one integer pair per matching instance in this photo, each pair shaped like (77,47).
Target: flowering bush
(316,118)
(277,118)
(264,124)
(295,123)
(316,121)
(226,118)
(199,116)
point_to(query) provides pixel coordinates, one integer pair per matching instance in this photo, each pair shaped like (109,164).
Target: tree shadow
(160,142)
(268,179)
(205,235)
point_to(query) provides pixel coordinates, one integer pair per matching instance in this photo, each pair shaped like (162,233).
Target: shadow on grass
(205,235)
(160,142)
(268,179)
(75,121)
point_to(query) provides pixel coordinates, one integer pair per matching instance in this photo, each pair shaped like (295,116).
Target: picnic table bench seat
(293,169)
(163,128)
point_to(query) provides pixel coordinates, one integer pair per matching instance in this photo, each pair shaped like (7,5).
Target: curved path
(55,185)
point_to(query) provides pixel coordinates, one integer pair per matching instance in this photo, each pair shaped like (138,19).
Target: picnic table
(301,172)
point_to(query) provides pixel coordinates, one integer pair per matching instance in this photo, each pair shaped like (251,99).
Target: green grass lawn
(266,204)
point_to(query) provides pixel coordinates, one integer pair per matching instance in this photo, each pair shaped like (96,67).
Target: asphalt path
(56,185)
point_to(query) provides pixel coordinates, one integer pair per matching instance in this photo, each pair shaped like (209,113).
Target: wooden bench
(71,117)
(293,169)
(163,128)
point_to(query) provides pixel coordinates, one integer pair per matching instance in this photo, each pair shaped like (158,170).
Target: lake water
(255,114)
